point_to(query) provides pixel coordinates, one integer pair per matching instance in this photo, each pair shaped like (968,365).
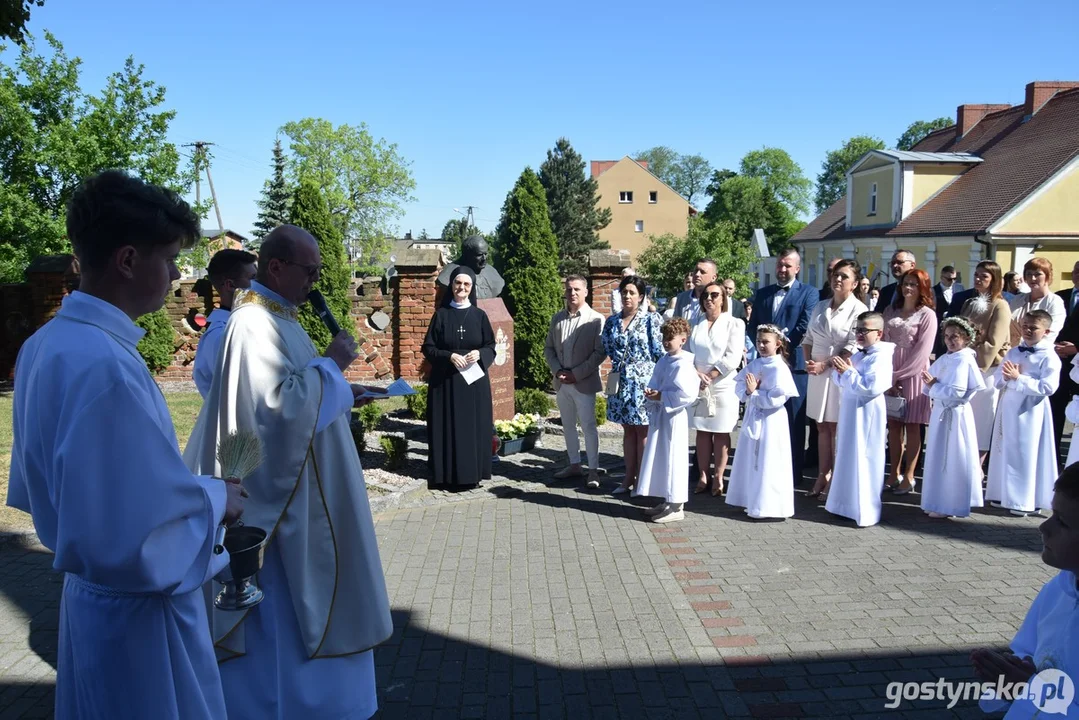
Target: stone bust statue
(489,283)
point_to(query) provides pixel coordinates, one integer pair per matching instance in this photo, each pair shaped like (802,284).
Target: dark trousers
(796,415)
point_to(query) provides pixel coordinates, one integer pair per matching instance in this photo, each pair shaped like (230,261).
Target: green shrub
(159,343)
(370,417)
(531,401)
(601,410)
(359,437)
(417,404)
(396,449)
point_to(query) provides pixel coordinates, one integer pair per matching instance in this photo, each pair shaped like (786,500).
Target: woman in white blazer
(717,342)
(830,334)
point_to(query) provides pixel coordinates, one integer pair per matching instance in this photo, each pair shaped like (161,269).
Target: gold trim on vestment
(296,486)
(336,560)
(251,297)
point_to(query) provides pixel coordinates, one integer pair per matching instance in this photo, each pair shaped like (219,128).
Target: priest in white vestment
(96,463)
(305,652)
(229,270)
(858,478)
(672,388)
(1046,647)
(1023,456)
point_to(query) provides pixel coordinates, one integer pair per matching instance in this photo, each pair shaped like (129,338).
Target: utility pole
(201,155)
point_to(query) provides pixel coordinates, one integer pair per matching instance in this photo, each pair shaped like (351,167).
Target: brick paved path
(532,598)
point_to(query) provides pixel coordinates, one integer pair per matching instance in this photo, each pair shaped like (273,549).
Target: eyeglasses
(713,295)
(312,271)
(865,330)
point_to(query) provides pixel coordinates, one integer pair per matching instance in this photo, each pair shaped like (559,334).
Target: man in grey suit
(574,352)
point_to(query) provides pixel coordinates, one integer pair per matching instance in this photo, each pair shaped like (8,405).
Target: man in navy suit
(943,293)
(788,304)
(1066,349)
(955,307)
(902,261)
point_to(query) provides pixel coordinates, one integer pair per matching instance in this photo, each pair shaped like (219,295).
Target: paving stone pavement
(530,597)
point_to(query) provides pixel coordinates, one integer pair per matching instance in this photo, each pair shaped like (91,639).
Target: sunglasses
(865,330)
(311,270)
(713,295)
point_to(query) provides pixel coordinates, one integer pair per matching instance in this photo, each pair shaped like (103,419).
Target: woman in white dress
(1038,274)
(830,334)
(717,342)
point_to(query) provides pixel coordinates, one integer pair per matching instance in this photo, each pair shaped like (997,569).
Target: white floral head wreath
(775,330)
(963,324)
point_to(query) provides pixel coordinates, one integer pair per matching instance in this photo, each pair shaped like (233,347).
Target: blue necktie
(1026,348)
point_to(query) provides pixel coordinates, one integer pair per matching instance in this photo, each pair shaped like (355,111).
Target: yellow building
(1002,183)
(641,205)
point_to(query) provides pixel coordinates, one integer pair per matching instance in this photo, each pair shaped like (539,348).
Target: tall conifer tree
(571,205)
(310,211)
(274,205)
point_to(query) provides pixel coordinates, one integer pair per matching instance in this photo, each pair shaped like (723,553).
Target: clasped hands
(462,361)
(1009,370)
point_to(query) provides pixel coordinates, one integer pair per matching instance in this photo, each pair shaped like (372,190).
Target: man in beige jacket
(574,353)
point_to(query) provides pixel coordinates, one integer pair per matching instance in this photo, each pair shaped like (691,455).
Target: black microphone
(319,304)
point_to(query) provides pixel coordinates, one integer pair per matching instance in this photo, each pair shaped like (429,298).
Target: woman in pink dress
(911,324)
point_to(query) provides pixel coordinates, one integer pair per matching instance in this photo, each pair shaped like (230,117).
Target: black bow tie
(863,349)
(1026,348)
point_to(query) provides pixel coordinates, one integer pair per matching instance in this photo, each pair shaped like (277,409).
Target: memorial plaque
(502,370)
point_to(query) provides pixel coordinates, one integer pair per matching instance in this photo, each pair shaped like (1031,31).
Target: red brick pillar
(415,287)
(605,272)
(51,278)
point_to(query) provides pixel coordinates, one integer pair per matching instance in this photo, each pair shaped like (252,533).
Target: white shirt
(948,292)
(780,296)
(208,350)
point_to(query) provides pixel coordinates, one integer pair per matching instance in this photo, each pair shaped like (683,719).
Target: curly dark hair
(112,210)
(675,326)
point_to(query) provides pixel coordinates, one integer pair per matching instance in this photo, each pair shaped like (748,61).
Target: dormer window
(873,199)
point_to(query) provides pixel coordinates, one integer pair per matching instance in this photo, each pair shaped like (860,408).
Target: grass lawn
(184,408)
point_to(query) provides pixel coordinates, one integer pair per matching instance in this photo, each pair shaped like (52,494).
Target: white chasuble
(96,463)
(952,481)
(761,475)
(858,477)
(665,464)
(310,497)
(1023,459)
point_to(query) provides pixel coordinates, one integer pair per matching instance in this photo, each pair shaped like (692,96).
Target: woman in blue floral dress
(633,341)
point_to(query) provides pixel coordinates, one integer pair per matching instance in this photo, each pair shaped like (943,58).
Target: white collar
(460,306)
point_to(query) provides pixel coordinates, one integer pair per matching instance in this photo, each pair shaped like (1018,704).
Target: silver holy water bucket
(246,546)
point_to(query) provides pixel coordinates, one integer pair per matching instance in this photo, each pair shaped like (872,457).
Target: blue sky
(473,92)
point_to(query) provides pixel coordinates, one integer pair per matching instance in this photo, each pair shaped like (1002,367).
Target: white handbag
(897,406)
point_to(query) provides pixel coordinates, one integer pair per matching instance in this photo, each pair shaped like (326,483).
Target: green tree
(665,261)
(158,345)
(310,211)
(690,176)
(456,230)
(746,203)
(14,14)
(365,181)
(661,162)
(918,129)
(572,198)
(527,257)
(53,134)
(781,174)
(832,181)
(274,204)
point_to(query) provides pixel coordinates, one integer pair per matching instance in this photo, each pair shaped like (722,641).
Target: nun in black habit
(460,424)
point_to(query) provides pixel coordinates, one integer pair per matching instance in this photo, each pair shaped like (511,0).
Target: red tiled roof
(1018,157)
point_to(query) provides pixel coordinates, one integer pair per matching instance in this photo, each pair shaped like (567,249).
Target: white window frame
(625,197)
(638,226)
(653,197)
(873,199)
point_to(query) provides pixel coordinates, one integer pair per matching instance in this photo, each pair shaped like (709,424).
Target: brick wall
(389,326)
